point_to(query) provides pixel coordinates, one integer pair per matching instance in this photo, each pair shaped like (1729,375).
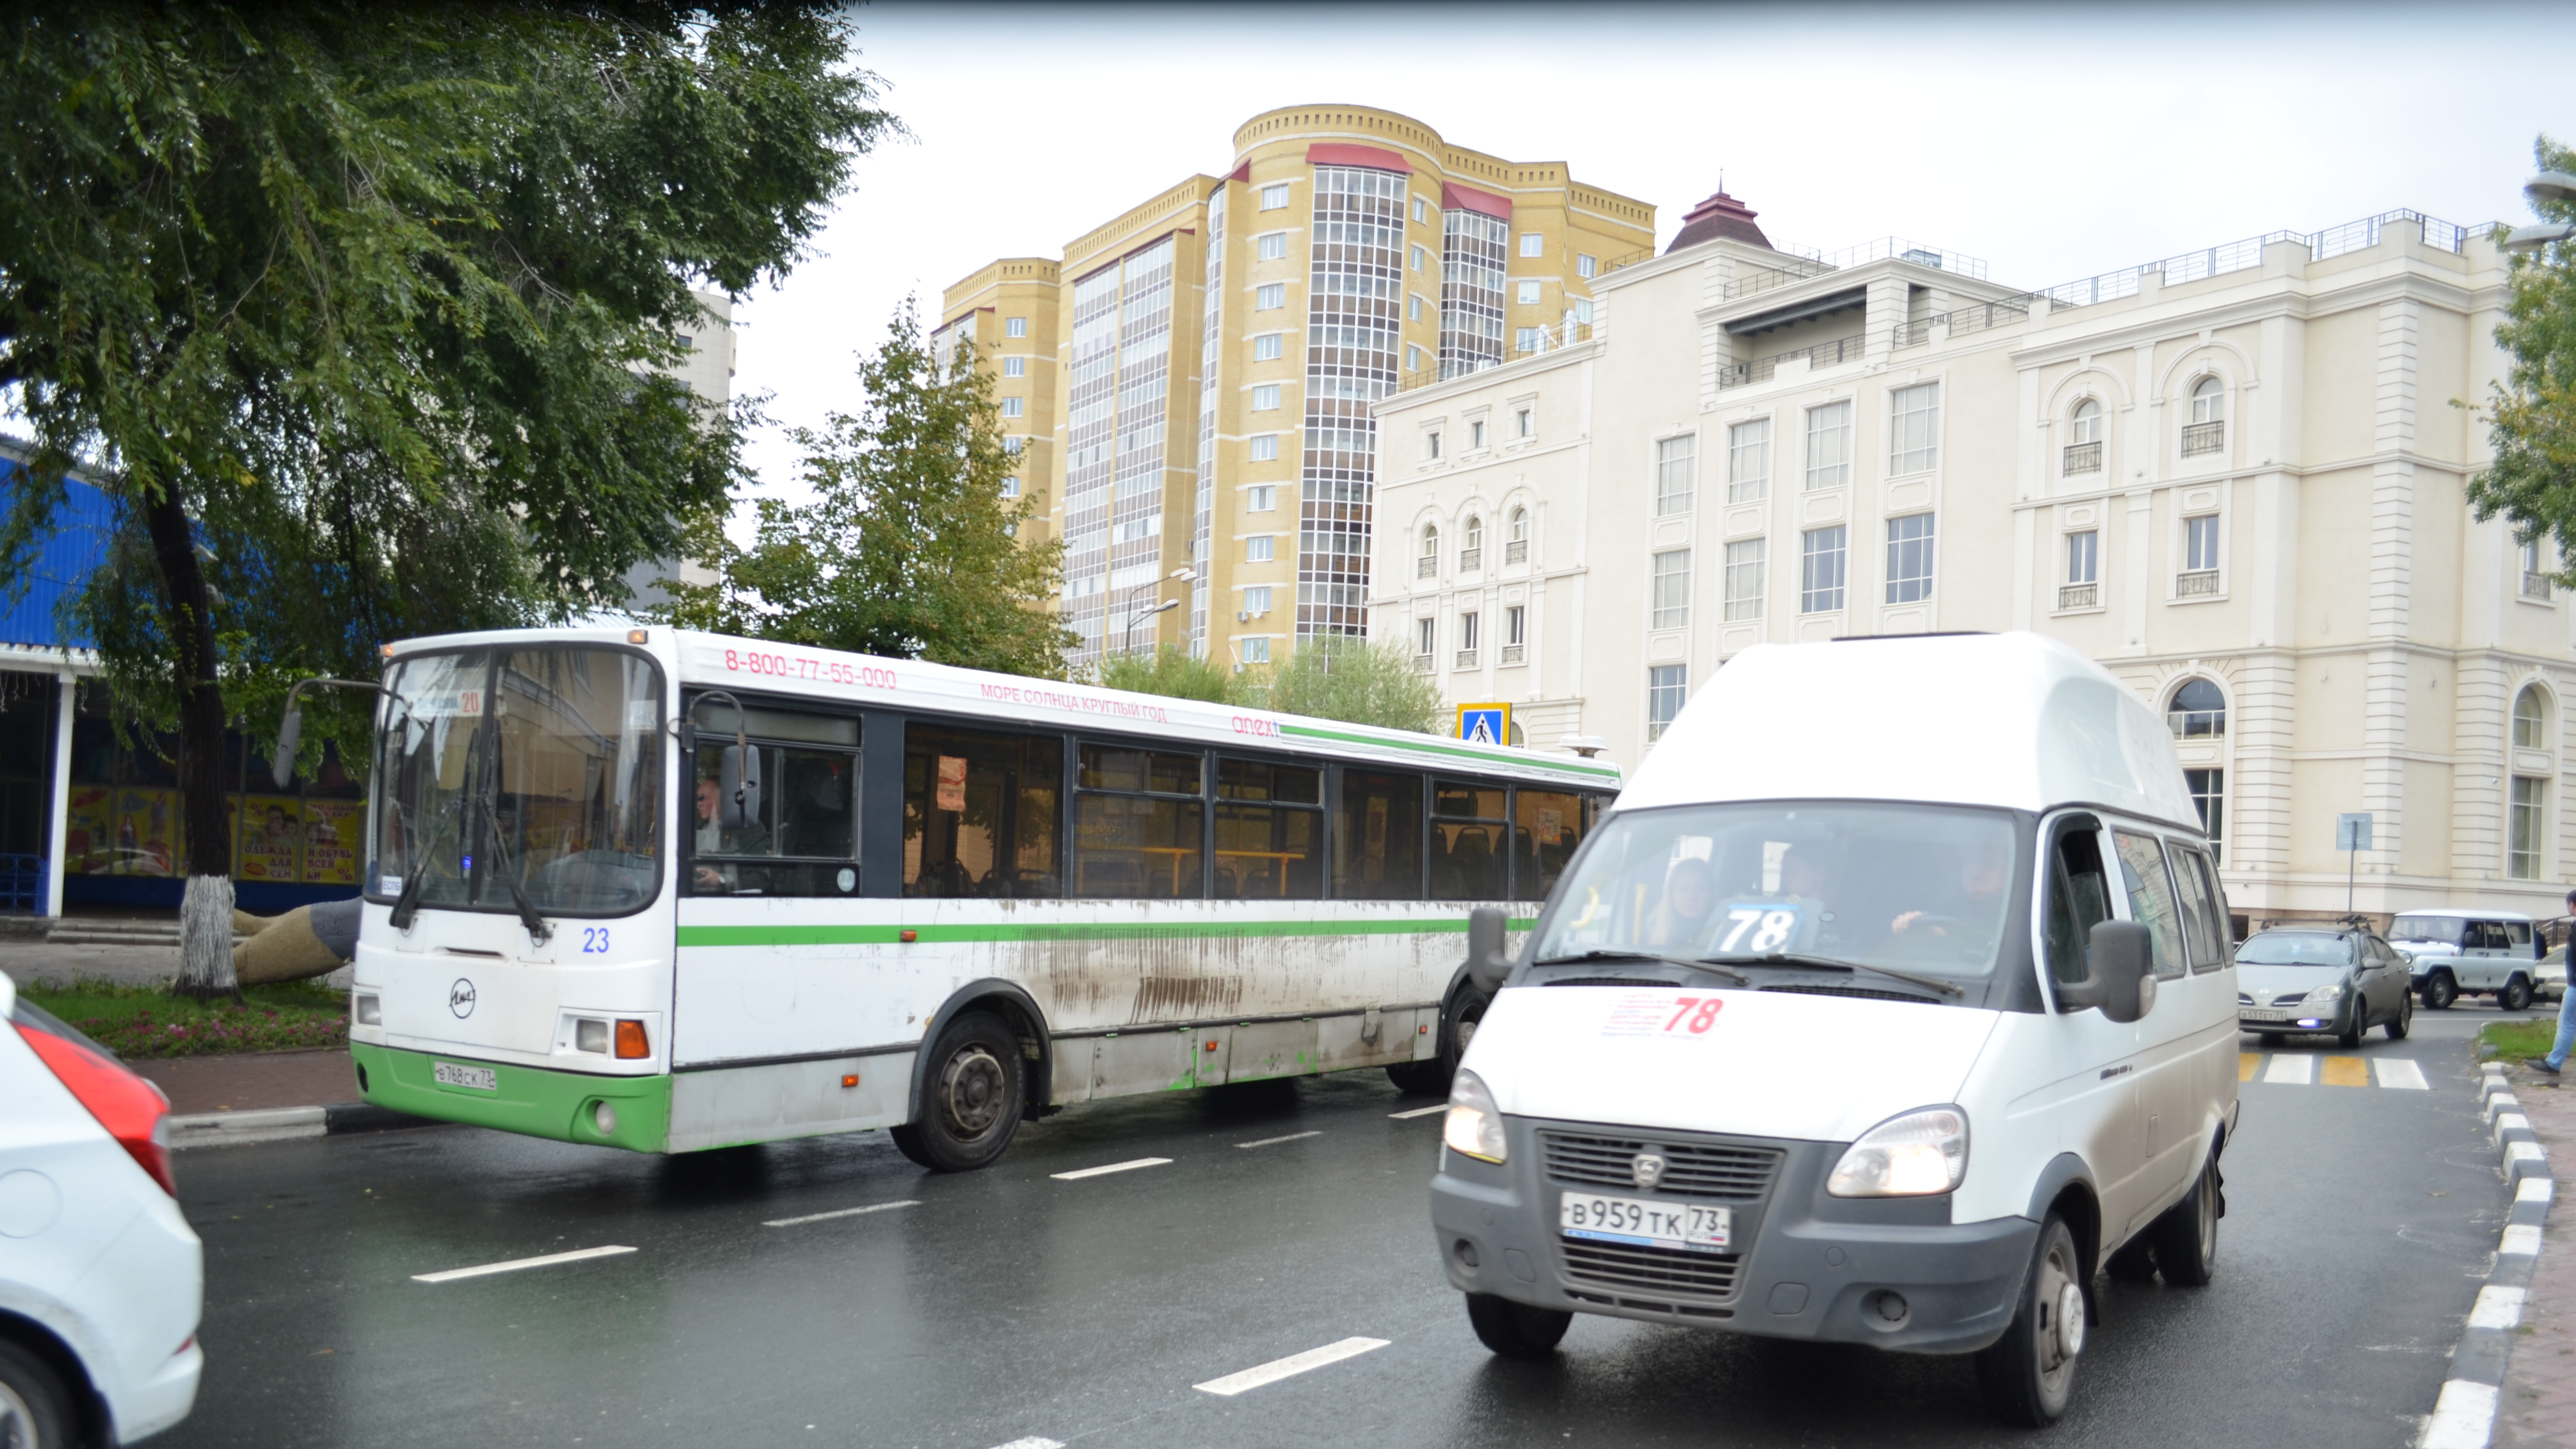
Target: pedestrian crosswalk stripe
(2289,1069)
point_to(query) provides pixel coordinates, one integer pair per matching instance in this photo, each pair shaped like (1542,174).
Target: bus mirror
(740,784)
(289,731)
(1486,963)
(2123,964)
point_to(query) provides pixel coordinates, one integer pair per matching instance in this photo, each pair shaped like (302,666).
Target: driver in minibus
(1967,916)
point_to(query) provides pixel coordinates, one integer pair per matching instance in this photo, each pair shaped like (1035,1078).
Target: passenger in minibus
(1690,893)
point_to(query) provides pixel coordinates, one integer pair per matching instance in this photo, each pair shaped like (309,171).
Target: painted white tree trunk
(206,937)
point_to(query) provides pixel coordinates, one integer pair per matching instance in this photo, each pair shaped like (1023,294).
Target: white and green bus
(671,891)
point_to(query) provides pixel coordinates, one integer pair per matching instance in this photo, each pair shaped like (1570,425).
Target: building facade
(1193,385)
(2234,477)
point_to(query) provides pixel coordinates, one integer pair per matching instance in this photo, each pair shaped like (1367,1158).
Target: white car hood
(1771,1064)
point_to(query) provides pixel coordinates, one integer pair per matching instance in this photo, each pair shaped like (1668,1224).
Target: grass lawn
(2515,1040)
(136,1022)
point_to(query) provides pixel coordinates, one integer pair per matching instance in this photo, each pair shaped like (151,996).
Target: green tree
(1174,671)
(1371,683)
(908,548)
(2531,416)
(356,311)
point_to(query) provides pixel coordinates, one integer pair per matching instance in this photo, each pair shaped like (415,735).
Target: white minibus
(1864,1016)
(669,891)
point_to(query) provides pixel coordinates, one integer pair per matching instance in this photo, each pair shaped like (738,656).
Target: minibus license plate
(1687,1226)
(481,1079)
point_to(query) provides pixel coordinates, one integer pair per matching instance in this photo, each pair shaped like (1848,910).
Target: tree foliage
(356,311)
(1174,671)
(2531,416)
(908,548)
(1363,682)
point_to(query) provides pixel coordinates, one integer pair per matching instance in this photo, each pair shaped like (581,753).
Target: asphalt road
(1010,1305)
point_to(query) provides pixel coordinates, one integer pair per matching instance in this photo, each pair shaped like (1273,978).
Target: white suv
(101,1279)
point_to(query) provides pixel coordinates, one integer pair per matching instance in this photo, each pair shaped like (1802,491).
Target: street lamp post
(2547,186)
(1137,616)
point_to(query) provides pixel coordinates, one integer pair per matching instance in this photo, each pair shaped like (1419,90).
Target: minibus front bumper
(1894,1273)
(536,1101)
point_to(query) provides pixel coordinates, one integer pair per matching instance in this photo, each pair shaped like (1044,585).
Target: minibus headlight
(1474,1125)
(369,1009)
(1921,1154)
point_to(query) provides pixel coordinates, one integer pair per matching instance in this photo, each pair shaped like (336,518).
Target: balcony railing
(1512,653)
(1823,354)
(2079,596)
(2535,586)
(1422,663)
(1516,551)
(2203,438)
(1427,567)
(1470,560)
(2082,458)
(2195,583)
(1466,658)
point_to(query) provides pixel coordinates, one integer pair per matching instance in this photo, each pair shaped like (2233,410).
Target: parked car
(2549,976)
(2467,953)
(101,1279)
(2341,982)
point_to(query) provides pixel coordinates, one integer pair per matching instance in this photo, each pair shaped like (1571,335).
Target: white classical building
(2235,477)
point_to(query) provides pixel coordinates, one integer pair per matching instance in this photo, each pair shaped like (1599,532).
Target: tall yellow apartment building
(1191,387)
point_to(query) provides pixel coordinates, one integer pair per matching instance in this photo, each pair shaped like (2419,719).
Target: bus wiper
(407,904)
(489,803)
(1713,968)
(1793,958)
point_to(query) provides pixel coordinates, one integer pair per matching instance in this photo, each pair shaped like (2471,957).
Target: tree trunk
(206,912)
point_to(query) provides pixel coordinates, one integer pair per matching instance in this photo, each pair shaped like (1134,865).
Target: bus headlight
(1921,1154)
(1474,1125)
(368,1008)
(589,1034)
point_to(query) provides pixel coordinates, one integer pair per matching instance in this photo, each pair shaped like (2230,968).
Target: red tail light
(131,1109)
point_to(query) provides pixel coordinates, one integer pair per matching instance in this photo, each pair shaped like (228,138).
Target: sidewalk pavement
(2537,1404)
(253,1081)
(31,961)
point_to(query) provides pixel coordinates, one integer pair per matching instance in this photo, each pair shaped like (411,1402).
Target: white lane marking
(2463,1417)
(1289,1367)
(1032,1442)
(1275,1141)
(2497,1307)
(842,1213)
(1113,1167)
(1419,1112)
(2523,1238)
(2536,1189)
(2291,1071)
(2403,1072)
(515,1264)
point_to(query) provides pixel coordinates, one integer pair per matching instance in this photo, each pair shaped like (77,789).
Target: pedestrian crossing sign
(1485,724)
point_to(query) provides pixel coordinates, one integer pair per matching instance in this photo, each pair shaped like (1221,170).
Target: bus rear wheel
(971,1097)
(1458,1022)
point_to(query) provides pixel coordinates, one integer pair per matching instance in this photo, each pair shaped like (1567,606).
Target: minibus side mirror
(2121,980)
(1486,963)
(739,780)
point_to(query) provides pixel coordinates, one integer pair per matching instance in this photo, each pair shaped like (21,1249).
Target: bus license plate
(480,1079)
(1687,1226)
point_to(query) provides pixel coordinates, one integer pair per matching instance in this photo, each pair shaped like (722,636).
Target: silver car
(2335,981)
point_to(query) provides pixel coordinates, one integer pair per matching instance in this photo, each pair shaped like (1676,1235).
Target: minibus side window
(1547,825)
(1468,826)
(979,812)
(2151,899)
(2079,898)
(1377,836)
(2201,926)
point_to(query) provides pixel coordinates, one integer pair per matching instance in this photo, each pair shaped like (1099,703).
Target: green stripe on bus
(1461,751)
(823,935)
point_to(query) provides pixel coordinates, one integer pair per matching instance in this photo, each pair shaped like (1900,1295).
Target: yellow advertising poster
(91,809)
(117,830)
(271,828)
(331,831)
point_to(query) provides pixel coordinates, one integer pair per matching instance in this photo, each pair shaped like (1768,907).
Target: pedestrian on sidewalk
(2566,1039)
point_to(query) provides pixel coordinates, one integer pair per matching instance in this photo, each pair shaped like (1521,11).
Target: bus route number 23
(594,940)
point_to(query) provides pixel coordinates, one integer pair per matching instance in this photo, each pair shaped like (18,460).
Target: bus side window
(2151,899)
(1269,831)
(1377,836)
(1468,824)
(1138,822)
(1546,827)
(2206,933)
(803,840)
(980,812)
(2079,898)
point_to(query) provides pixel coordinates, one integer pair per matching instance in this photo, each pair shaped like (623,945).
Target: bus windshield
(1915,887)
(519,780)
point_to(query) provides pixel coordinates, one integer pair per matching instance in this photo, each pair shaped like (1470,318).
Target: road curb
(2464,1417)
(282,1124)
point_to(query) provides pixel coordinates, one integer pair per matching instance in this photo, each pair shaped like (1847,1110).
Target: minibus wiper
(1792,958)
(1714,968)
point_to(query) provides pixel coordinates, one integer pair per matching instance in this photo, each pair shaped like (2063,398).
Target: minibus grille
(1692,1169)
(1623,1269)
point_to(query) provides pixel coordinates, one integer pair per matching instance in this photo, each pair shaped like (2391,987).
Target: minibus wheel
(1516,1330)
(2440,990)
(970,1097)
(2029,1374)
(2186,1237)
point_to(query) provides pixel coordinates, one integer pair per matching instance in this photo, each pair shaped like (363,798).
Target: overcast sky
(2053,143)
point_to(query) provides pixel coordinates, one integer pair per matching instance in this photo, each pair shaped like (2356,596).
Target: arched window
(1471,543)
(2084,439)
(1516,537)
(1427,564)
(2531,719)
(2088,422)
(1520,525)
(2208,401)
(2198,711)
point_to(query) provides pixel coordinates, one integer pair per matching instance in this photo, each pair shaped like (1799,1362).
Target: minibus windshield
(2443,930)
(526,781)
(1917,888)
